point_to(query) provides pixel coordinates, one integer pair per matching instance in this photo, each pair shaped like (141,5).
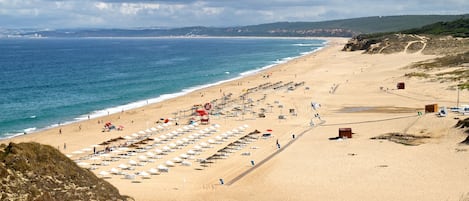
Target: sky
(53,14)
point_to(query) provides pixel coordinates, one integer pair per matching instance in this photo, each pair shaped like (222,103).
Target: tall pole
(457,103)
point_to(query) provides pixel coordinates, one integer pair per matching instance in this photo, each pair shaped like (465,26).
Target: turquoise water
(44,82)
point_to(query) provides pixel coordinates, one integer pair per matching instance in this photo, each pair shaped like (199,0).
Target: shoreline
(163,97)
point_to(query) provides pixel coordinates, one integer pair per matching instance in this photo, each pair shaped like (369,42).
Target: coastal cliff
(31,171)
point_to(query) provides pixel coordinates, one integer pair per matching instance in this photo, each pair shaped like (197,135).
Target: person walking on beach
(60,131)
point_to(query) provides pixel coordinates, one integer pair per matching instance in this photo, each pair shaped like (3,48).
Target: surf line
(240,176)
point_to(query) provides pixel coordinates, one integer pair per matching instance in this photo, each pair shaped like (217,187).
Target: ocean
(45,82)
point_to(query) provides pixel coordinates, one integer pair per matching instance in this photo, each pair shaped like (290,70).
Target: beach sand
(354,90)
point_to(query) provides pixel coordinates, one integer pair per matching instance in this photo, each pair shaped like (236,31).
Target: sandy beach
(294,156)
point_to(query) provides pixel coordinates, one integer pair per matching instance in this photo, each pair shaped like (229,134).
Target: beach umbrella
(172,145)
(191,152)
(83,164)
(185,140)
(144,175)
(197,147)
(150,154)
(153,129)
(169,163)
(141,132)
(153,171)
(162,137)
(216,125)
(166,149)
(132,162)
(180,130)
(104,173)
(203,144)
(158,151)
(134,135)
(160,127)
(127,137)
(123,166)
(114,171)
(179,142)
(245,126)
(129,176)
(148,131)
(211,141)
(177,159)
(142,158)
(163,168)
(218,138)
(86,149)
(191,138)
(77,152)
(68,155)
(123,149)
(95,158)
(186,163)
(183,156)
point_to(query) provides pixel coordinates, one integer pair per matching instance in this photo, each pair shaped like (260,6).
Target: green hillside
(457,28)
(335,28)
(365,24)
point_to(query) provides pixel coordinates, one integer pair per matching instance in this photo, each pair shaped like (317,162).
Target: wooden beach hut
(431,108)
(345,132)
(401,85)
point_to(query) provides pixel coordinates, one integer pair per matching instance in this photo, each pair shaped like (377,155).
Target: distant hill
(336,28)
(31,171)
(457,28)
(390,42)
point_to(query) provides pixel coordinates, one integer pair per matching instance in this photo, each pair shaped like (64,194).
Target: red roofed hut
(345,132)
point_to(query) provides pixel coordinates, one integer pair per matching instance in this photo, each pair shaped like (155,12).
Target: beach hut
(400,85)
(431,108)
(345,132)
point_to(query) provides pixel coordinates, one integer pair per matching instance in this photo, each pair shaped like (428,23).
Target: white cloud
(175,13)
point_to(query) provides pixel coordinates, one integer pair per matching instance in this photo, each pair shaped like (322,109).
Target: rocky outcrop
(31,171)
(358,43)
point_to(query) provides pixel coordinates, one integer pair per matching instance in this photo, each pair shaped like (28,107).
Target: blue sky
(179,13)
